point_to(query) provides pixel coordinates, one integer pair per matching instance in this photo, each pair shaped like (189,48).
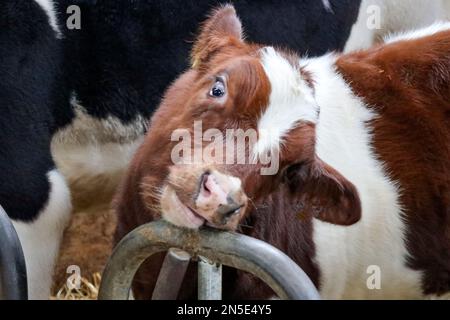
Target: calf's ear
(324,193)
(222,28)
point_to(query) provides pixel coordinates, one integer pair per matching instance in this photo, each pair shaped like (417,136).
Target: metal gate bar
(209,280)
(172,271)
(13,272)
(231,249)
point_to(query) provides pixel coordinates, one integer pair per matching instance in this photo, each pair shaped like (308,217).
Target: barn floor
(87,244)
(87,241)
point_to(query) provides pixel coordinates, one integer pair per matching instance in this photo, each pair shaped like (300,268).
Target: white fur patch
(291,101)
(345,254)
(420,33)
(379,18)
(41,238)
(49,7)
(90,146)
(93,159)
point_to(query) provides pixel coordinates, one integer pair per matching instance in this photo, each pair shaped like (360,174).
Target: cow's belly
(93,166)
(94,153)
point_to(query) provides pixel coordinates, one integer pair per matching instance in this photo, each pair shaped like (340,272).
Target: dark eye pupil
(218,90)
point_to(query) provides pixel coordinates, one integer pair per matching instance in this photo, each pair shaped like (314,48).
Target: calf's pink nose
(219,196)
(210,188)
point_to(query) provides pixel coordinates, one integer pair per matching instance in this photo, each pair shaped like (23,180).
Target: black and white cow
(32,191)
(82,98)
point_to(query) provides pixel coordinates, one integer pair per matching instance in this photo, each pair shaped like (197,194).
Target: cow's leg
(41,237)
(34,194)
(37,199)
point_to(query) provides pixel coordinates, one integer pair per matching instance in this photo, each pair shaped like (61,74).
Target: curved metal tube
(235,250)
(13,272)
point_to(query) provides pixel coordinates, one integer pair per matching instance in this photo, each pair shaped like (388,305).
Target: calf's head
(264,95)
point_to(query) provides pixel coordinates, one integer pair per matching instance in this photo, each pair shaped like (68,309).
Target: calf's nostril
(229,210)
(204,185)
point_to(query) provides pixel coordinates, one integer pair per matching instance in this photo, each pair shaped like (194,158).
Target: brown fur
(408,85)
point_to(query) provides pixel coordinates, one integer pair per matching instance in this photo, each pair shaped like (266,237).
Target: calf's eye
(218,89)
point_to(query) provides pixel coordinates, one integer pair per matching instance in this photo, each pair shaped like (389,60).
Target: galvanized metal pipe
(209,280)
(13,272)
(231,249)
(171,275)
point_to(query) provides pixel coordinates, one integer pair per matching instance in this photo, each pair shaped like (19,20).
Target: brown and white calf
(362,188)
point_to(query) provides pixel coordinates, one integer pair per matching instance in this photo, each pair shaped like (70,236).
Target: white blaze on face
(49,7)
(291,101)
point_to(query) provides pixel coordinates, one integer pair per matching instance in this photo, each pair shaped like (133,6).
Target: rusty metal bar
(13,272)
(231,249)
(172,272)
(209,280)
